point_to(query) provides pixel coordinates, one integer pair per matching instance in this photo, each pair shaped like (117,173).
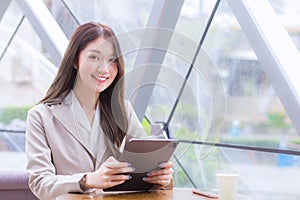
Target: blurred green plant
(277,120)
(146,125)
(257,142)
(7,114)
(296,141)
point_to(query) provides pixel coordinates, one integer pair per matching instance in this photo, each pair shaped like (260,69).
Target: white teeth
(101,78)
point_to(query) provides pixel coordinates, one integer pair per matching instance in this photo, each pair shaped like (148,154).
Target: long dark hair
(114,120)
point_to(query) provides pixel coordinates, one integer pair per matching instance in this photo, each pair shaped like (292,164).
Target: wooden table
(176,193)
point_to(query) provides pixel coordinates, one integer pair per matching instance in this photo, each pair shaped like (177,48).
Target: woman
(74,134)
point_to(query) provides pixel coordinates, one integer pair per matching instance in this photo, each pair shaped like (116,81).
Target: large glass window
(211,92)
(25,74)
(254,117)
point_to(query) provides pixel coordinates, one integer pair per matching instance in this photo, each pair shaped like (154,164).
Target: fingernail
(148,174)
(129,177)
(161,165)
(129,164)
(133,169)
(144,178)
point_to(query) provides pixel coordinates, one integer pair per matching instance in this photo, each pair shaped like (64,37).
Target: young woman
(74,134)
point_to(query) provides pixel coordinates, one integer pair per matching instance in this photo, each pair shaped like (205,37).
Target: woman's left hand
(161,177)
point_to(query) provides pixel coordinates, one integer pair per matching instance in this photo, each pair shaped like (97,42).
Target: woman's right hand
(111,173)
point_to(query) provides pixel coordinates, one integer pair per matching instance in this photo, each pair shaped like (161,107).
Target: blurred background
(220,75)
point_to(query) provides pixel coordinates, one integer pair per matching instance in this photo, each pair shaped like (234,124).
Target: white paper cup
(227,185)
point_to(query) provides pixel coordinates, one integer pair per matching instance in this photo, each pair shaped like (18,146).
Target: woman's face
(97,66)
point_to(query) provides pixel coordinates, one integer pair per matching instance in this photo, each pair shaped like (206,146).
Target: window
(210,85)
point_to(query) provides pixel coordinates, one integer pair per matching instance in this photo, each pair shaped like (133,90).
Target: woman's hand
(161,177)
(111,173)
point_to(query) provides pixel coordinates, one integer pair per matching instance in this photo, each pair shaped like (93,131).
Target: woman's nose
(103,67)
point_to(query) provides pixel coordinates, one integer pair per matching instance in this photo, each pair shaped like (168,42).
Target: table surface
(176,193)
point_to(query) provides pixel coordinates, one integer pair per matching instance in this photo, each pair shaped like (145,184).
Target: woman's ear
(75,67)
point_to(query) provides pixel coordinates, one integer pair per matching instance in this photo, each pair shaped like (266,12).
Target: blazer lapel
(63,114)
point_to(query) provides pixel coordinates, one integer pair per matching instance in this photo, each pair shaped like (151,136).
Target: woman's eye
(94,57)
(112,60)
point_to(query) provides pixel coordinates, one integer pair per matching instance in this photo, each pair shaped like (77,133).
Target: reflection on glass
(193,18)
(254,117)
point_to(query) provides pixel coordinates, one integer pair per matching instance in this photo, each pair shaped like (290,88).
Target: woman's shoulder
(38,108)
(48,106)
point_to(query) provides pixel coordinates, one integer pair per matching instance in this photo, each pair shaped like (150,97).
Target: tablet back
(144,155)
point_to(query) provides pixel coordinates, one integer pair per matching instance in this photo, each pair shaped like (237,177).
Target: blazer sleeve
(43,181)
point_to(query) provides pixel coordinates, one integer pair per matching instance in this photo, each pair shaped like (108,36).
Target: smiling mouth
(101,79)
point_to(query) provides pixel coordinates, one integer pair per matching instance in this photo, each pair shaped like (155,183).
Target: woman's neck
(86,98)
(88,101)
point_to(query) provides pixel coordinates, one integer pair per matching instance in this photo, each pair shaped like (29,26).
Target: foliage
(146,125)
(7,114)
(296,141)
(277,120)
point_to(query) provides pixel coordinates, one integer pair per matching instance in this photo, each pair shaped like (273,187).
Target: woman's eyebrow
(95,51)
(99,52)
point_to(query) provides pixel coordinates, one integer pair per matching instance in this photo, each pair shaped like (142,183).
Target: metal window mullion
(164,15)
(4,5)
(12,37)
(71,12)
(244,147)
(193,62)
(53,38)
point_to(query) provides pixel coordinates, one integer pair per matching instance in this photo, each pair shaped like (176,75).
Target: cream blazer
(57,157)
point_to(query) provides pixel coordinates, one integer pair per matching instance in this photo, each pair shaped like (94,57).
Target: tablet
(144,155)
